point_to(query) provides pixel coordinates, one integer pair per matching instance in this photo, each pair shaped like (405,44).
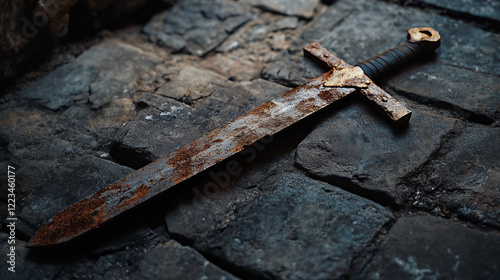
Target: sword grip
(420,39)
(383,64)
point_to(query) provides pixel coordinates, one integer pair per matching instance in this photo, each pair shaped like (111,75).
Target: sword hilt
(420,39)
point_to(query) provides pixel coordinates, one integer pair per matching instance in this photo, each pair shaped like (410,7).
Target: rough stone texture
(481,8)
(30,28)
(191,84)
(304,9)
(167,121)
(434,248)
(103,72)
(174,261)
(465,178)
(358,150)
(469,94)
(198,26)
(276,235)
(68,185)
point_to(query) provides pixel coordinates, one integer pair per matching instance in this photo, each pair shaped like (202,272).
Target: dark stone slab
(69,184)
(191,83)
(198,26)
(303,229)
(103,72)
(378,26)
(172,123)
(178,262)
(480,8)
(469,94)
(360,151)
(427,247)
(465,178)
(61,88)
(299,8)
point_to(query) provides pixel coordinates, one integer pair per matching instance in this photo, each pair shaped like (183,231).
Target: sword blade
(187,161)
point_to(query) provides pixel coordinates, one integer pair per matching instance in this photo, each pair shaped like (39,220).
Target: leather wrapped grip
(382,64)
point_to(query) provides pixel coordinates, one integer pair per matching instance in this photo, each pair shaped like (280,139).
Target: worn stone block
(359,151)
(427,247)
(464,178)
(198,26)
(179,263)
(303,229)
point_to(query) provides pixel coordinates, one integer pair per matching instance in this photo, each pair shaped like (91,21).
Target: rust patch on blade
(182,163)
(307,106)
(262,109)
(77,218)
(140,193)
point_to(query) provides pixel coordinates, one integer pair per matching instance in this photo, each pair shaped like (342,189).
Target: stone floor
(342,195)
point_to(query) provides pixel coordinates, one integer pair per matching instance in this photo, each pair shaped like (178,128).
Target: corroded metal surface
(188,161)
(376,96)
(426,36)
(348,77)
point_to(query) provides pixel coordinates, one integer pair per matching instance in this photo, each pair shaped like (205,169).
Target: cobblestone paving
(341,195)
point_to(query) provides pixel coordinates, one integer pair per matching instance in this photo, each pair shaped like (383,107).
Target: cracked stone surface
(101,73)
(198,26)
(303,9)
(465,178)
(339,195)
(434,248)
(359,151)
(482,8)
(178,262)
(284,244)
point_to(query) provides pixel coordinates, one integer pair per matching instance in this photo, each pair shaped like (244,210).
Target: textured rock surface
(275,236)
(178,262)
(482,8)
(358,150)
(303,9)
(103,72)
(198,26)
(30,28)
(433,248)
(465,178)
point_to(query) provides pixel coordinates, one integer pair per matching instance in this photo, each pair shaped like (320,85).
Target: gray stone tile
(464,178)
(176,262)
(303,229)
(356,149)
(434,248)
(480,8)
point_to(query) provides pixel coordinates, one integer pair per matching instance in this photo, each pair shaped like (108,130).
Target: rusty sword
(231,138)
